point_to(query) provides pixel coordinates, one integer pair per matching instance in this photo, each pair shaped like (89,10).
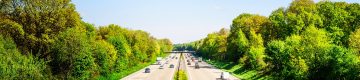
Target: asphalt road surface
(155,73)
(205,72)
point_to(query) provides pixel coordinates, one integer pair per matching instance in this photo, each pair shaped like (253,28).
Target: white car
(224,75)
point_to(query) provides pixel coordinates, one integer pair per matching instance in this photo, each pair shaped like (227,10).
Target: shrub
(72,57)
(105,56)
(14,65)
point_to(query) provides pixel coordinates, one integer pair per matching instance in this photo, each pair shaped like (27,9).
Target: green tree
(72,56)
(105,56)
(278,28)
(354,40)
(301,14)
(34,24)
(14,65)
(123,52)
(256,52)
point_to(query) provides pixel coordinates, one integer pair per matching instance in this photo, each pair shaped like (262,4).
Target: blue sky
(179,20)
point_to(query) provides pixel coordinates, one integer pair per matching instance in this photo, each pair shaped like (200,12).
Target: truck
(224,75)
(200,59)
(158,60)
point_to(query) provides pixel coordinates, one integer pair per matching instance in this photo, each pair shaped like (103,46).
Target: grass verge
(180,75)
(239,71)
(117,76)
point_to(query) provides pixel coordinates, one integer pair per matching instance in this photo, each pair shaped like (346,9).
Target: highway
(156,73)
(205,72)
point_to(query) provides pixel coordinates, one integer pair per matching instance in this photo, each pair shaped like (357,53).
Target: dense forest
(305,40)
(46,39)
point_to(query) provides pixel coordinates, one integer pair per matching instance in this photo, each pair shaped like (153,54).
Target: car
(224,75)
(147,70)
(167,62)
(188,63)
(161,67)
(197,65)
(158,62)
(171,65)
(187,60)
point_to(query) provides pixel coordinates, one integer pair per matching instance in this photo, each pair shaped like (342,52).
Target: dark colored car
(171,65)
(147,70)
(197,65)
(161,67)
(188,63)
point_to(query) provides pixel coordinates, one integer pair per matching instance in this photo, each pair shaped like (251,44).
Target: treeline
(306,40)
(46,39)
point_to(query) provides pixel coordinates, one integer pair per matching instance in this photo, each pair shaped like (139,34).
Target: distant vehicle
(224,75)
(188,63)
(200,59)
(147,70)
(167,62)
(176,58)
(161,67)
(197,65)
(158,59)
(187,60)
(171,65)
(158,62)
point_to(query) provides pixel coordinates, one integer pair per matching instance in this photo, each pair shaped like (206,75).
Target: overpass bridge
(179,51)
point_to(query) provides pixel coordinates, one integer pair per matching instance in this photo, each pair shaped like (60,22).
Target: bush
(123,52)
(105,56)
(72,57)
(180,75)
(285,59)
(343,64)
(14,65)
